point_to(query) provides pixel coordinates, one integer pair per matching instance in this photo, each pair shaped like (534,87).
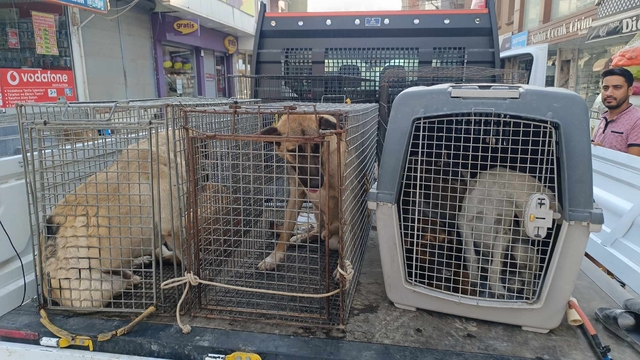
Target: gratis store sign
(101,6)
(35,86)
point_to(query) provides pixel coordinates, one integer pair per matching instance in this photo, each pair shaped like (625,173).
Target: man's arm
(634,150)
(633,141)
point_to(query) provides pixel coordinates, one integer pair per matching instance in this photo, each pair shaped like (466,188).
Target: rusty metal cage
(244,174)
(328,88)
(395,80)
(105,186)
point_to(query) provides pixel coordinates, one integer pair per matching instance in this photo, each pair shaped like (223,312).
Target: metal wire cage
(396,79)
(105,183)
(328,88)
(260,228)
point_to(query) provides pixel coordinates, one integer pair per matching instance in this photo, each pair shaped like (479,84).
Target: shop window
(179,71)
(511,12)
(46,45)
(562,8)
(532,12)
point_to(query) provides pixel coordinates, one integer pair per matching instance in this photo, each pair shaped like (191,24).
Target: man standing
(619,127)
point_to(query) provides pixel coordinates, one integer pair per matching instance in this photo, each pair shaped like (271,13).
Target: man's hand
(596,143)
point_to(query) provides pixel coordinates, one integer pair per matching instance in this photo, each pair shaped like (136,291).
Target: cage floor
(289,276)
(142,295)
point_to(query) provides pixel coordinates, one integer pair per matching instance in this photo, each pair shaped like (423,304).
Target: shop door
(221,75)
(210,74)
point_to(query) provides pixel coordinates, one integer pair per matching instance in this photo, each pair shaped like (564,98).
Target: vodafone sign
(29,86)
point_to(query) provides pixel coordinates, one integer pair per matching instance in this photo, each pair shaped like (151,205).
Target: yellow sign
(231,44)
(185,26)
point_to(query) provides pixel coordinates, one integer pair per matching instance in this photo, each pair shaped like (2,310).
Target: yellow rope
(63,334)
(125,329)
(191,280)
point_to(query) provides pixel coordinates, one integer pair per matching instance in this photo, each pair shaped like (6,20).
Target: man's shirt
(619,133)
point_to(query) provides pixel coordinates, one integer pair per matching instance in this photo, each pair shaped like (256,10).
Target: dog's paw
(142,261)
(334,242)
(135,280)
(298,238)
(271,261)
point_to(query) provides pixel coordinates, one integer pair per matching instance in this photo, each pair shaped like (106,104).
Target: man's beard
(616,105)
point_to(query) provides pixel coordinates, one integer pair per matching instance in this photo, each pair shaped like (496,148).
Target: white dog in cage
(486,222)
(102,230)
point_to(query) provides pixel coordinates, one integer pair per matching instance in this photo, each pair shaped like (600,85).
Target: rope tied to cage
(189,279)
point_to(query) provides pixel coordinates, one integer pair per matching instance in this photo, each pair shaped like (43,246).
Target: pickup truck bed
(375,330)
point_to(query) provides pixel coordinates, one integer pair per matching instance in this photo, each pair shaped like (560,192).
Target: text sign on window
(101,6)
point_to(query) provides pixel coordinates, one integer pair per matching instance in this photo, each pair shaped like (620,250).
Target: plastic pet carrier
(484,202)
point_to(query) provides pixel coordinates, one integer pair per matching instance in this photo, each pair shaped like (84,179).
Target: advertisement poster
(35,86)
(13,39)
(44,27)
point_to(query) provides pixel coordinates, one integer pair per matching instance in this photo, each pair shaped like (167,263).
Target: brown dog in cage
(102,230)
(307,179)
(435,259)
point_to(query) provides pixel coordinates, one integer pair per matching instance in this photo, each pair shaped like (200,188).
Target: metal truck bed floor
(375,330)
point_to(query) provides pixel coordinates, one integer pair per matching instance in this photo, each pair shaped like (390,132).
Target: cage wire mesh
(328,88)
(104,184)
(242,181)
(397,79)
(466,187)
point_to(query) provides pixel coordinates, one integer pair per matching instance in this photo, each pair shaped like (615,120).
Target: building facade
(123,49)
(197,43)
(582,35)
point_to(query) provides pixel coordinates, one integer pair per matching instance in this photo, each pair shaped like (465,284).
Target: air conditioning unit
(484,201)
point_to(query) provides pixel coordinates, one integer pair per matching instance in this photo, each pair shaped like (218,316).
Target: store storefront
(191,60)
(607,36)
(35,54)
(567,57)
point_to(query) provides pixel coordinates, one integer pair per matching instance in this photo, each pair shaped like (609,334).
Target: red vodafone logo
(43,77)
(35,86)
(13,78)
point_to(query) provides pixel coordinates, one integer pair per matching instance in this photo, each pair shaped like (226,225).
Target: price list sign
(44,27)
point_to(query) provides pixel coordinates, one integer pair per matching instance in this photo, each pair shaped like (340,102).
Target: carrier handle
(495,92)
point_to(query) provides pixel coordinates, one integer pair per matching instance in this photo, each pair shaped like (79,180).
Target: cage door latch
(538,216)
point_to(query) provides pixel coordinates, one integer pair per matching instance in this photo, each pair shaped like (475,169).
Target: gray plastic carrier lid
(566,110)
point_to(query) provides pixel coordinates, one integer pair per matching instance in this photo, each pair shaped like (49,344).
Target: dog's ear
(270,131)
(326,123)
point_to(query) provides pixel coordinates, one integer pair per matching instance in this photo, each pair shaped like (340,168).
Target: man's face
(615,92)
